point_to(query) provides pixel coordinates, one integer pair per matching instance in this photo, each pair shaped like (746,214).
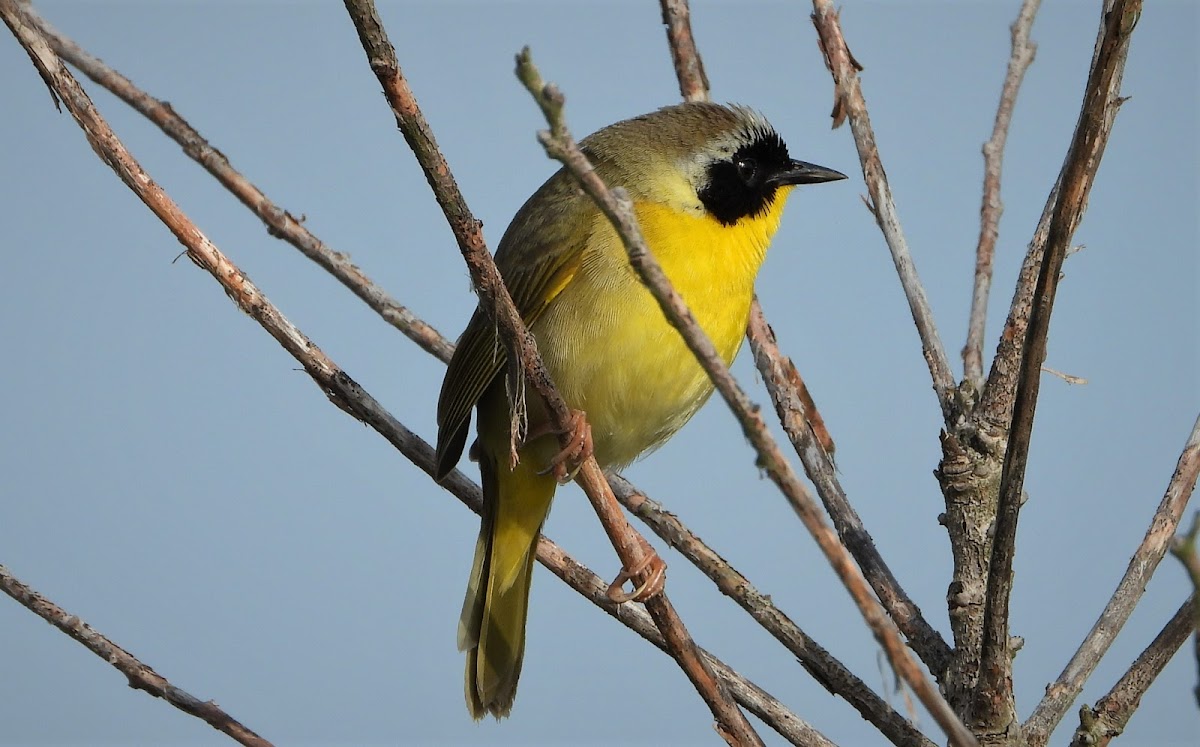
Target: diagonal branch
(994,707)
(1099,725)
(824,668)
(1184,548)
(996,399)
(615,205)
(1023,51)
(140,676)
(746,693)
(280,223)
(689,69)
(634,551)
(1063,691)
(342,390)
(850,102)
(778,372)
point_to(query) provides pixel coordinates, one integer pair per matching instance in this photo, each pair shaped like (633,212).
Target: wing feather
(538,257)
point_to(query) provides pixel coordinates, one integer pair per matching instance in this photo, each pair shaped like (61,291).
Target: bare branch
(825,668)
(693,83)
(633,550)
(1063,691)
(747,694)
(1098,726)
(850,102)
(780,378)
(994,708)
(1184,548)
(140,676)
(996,399)
(1069,378)
(615,205)
(280,223)
(1023,51)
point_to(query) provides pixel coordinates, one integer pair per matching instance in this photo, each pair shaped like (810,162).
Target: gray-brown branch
(1023,51)
(994,707)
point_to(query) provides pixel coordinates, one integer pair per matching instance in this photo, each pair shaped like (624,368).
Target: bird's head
(724,161)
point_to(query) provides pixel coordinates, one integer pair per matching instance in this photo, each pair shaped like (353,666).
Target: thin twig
(1184,548)
(825,668)
(1023,51)
(689,69)
(1099,725)
(777,372)
(281,224)
(997,397)
(850,102)
(633,550)
(1069,378)
(140,676)
(342,390)
(747,694)
(616,207)
(994,710)
(1063,691)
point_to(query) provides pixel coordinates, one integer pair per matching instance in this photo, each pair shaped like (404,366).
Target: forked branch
(994,709)
(1063,691)
(991,208)
(1099,725)
(851,104)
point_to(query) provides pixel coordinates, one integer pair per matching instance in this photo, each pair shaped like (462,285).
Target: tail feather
(491,629)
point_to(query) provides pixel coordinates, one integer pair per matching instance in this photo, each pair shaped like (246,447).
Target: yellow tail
(492,627)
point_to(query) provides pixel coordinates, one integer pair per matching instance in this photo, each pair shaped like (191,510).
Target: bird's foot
(566,464)
(651,572)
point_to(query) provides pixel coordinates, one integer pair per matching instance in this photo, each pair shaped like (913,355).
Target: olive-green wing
(538,259)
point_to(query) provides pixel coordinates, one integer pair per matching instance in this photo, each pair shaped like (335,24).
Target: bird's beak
(801,172)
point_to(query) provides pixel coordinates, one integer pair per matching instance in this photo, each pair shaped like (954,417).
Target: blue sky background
(168,475)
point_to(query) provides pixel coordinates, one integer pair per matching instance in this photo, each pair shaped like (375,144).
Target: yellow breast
(609,346)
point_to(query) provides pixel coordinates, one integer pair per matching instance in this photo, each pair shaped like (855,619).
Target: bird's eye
(747,169)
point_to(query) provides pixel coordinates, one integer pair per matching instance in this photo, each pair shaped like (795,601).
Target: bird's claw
(652,569)
(566,463)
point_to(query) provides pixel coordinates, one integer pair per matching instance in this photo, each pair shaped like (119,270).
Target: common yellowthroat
(708,184)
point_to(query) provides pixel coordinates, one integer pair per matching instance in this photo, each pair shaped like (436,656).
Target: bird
(708,183)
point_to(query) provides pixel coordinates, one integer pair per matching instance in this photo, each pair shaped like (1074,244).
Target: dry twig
(1099,725)
(615,205)
(777,371)
(1023,51)
(825,668)
(994,707)
(1184,548)
(139,675)
(848,94)
(693,83)
(996,399)
(1063,691)
(280,223)
(633,550)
